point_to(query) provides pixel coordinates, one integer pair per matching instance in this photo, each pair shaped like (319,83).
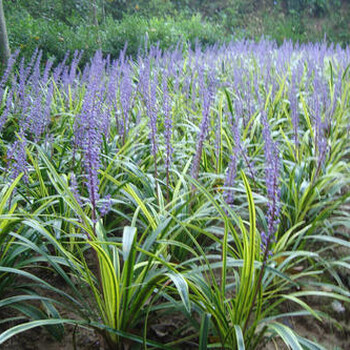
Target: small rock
(337,306)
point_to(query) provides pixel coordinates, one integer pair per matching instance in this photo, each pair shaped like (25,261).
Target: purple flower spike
(7,109)
(293,99)
(18,158)
(272,185)
(152,110)
(207,96)
(168,124)
(106,205)
(89,127)
(6,74)
(126,90)
(232,168)
(75,190)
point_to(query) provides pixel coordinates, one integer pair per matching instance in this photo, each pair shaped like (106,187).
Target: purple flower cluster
(293,100)
(126,90)
(232,168)
(319,125)
(272,184)
(7,109)
(17,158)
(106,205)
(207,94)
(28,100)
(157,89)
(75,189)
(89,129)
(148,85)
(5,76)
(168,124)
(152,113)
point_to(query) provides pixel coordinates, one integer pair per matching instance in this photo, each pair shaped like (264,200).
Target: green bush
(133,22)
(165,31)
(283,27)
(55,38)
(312,7)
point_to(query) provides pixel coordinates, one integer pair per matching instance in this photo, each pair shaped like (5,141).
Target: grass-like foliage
(211,183)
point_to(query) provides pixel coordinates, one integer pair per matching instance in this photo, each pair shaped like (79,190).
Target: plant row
(207,182)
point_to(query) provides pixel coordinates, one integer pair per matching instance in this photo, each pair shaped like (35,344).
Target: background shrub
(58,26)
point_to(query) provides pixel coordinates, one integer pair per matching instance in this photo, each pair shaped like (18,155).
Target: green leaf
(330,240)
(33,324)
(129,235)
(7,191)
(308,344)
(287,335)
(204,331)
(182,287)
(239,337)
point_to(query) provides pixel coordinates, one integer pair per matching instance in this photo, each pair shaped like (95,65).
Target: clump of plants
(207,182)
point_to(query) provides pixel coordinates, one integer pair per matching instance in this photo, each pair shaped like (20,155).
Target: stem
(167,184)
(93,216)
(296,149)
(155,166)
(258,284)
(248,165)
(73,157)
(266,252)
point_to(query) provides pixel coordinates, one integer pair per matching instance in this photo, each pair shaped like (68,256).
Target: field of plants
(190,198)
